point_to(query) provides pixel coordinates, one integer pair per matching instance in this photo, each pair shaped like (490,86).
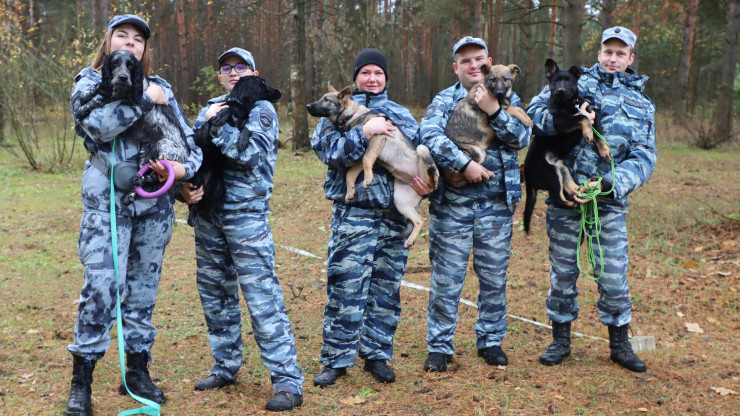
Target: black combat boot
(621,350)
(138,380)
(79,396)
(560,346)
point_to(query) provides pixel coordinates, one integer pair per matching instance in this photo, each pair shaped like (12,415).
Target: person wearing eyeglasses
(236,249)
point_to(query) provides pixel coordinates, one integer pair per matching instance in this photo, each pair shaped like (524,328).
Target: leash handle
(590,223)
(161,191)
(150,408)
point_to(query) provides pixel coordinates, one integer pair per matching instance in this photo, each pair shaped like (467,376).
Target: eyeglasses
(240,68)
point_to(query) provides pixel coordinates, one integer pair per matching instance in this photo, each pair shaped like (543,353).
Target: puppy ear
(273,95)
(137,81)
(576,70)
(106,86)
(550,68)
(514,69)
(331,89)
(346,92)
(485,68)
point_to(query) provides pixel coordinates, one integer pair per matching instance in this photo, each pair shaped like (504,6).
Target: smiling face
(127,38)
(467,63)
(371,78)
(230,79)
(615,56)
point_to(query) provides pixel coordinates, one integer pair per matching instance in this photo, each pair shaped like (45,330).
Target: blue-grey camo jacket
(341,150)
(102,125)
(501,159)
(248,174)
(628,117)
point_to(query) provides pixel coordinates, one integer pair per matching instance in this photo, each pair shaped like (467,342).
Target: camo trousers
(238,251)
(141,243)
(614,305)
(366,262)
(454,229)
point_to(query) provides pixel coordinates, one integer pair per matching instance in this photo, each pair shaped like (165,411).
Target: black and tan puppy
(395,153)
(468,126)
(240,101)
(543,166)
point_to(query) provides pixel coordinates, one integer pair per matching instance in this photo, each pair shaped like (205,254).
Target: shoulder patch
(634,103)
(265,119)
(430,110)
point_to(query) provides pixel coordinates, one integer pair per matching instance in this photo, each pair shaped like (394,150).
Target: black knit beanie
(370,56)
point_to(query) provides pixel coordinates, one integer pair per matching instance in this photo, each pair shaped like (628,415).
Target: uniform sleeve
(104,123)
(410,127)
(195,158)
(263,136)
(432,134)
(537,111)
(509,130)
(201,119)
(639,164)
(336,149)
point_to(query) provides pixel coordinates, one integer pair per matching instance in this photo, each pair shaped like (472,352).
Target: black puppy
(240,101)
(158,131)
(543,166)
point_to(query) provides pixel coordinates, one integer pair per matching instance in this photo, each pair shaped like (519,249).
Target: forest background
(688,48)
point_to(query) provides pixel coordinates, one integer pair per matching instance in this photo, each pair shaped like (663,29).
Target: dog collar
(344,121)
(234,100)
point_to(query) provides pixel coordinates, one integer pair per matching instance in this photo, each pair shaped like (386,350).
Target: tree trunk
(723,112)
(477,14)
(605,17)
(572,32)
(553,30)
(637,16)
(493,34)
(184,71)
(301,140)
(684,66)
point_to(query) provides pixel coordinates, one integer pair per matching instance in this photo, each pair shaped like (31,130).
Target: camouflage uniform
(475,215)
(366,258)
(628,119)
(237,250)
(144,228)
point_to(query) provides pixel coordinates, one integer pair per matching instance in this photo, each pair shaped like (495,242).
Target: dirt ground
(684,280)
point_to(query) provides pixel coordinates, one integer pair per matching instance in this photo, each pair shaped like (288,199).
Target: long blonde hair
(104,50)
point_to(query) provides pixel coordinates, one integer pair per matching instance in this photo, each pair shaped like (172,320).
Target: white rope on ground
(424,288)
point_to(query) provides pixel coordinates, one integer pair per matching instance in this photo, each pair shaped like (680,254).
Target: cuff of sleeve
(607,184)
(364,140)
(146,103)
(493,116)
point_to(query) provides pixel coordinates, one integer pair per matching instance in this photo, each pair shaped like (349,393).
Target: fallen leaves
(694,327)
(353,400)
(723,391)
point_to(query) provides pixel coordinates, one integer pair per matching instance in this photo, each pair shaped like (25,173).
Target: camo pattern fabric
(366,258)
(238,252)
(102,125)
(341,150)
(501,156)
(366,261)
(143,228)
(629,128)
(614,304)
(475,216)
(248,174)
(628,118)
(454,229)
(141,242)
